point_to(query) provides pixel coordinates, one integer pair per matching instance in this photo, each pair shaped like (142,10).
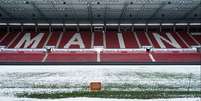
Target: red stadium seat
(71,57)
(177,57)
(197,38)
(125,57)
(111,40)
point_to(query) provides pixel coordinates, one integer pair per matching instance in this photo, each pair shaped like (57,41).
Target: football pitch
(119,82)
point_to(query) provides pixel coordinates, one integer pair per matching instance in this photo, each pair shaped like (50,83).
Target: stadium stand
(112,39)
(117,47)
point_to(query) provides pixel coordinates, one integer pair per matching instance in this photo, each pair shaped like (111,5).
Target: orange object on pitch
(95,86)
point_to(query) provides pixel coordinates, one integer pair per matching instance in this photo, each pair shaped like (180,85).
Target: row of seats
(106,39)
(186,57)
(125,57)
(177,57)
(21,57)
(71,57)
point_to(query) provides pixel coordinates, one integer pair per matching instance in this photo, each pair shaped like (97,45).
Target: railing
(100,50)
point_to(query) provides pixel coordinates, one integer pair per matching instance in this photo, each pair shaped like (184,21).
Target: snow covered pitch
(28,80)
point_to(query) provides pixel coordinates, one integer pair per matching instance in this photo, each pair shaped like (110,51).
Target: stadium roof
(100,11)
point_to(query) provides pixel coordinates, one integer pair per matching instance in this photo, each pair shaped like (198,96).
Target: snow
(63,68)
(68,78)
(95,99)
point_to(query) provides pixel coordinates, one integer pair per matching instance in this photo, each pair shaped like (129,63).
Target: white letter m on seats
(27,41)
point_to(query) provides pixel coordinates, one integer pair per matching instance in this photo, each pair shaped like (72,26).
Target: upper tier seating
(106,39)
(118,47)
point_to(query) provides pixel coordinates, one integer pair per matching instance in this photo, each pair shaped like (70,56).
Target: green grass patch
(114,94)
(127,86)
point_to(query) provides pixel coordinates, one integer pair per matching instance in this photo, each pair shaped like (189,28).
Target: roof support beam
(162,5)
(123,11)
(191,11)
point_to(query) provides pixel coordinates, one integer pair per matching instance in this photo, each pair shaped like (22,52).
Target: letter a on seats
(27,41)
(172,41)
(75,40)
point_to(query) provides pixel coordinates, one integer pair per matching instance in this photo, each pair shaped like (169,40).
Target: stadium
(91,50)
